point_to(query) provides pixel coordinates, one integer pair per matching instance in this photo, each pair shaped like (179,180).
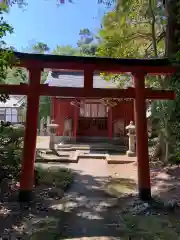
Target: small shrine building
(88,118)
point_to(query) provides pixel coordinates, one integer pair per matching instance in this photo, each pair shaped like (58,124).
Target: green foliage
(127,32)
(16,76)
(11,137)
(11,140)
(44,107)
(66,51)
(60,177)
(88,42)
(86,45)
(40,47)
(6,54)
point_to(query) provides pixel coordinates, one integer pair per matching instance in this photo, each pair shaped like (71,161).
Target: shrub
(59,177)
(11,140)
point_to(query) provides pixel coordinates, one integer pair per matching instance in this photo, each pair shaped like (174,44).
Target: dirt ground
(84,211)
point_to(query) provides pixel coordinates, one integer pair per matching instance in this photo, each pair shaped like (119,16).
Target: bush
(59,177)
(11,141)
(11,137)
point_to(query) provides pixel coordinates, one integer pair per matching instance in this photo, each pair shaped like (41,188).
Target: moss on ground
(119,186)
(149,227)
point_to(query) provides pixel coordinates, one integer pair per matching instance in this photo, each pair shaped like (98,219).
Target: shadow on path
(90,210)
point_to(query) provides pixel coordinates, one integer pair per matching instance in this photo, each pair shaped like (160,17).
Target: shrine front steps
(54,156)
(98,147)
(49,156)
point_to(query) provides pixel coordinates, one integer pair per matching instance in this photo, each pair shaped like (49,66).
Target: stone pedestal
(52,130)
(131,133)
(41,130)
(52,142)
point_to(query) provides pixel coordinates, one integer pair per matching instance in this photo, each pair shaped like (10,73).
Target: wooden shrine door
(93,120)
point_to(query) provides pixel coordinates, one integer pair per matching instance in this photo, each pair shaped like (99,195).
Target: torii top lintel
(150,66)
(37,62)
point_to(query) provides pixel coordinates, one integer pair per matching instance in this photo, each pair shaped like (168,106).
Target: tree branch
(159,38)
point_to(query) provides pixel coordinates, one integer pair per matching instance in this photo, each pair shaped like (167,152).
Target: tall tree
(173,52)
(135,30)
(40,47)
(66,50)
(6,56)
(87,43)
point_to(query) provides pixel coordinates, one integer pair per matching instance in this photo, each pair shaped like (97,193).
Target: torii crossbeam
(35,63)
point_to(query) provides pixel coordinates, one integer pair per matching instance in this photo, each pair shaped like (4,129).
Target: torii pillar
(144,184)
(29,151)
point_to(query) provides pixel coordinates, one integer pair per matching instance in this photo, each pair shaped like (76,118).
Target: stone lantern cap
(52,125)
(131,128)
(131,125)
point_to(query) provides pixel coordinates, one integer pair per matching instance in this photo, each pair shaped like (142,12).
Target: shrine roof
(94,60)
(14,101)
(76,79)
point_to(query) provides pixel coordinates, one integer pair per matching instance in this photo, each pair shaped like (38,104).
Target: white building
(13,110)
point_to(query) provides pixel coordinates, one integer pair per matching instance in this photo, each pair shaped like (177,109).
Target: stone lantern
(52,130)
(131,133)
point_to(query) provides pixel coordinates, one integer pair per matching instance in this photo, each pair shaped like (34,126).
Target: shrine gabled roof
(76,79)
(95,60)
(104,64)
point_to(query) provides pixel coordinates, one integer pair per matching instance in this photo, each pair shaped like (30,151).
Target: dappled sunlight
(89,215)
(87,210)
(4,211)
(120,186)
(166,184)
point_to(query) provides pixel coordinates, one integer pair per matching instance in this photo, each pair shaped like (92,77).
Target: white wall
(11,115)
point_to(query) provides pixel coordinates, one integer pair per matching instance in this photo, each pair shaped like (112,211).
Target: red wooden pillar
(29,151)
(75,125)
(54,111)
(110,124)
(53,107)
(142,137)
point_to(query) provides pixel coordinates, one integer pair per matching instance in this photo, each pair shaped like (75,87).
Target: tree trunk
(173,27)
(153,29)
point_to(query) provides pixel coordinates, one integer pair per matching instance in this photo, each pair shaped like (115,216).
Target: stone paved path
(89,214)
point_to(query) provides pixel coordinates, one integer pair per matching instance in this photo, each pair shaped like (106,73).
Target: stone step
(72,148)
(120,159)
(97,147)
(93,156)
(54,159)
(57,156)
(58,160)
(56,153)
(100,139)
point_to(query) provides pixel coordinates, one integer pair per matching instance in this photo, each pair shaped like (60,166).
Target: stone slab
(93,156)
(92,147)
(120,159)
(55,153)
(62,160)
(70,157)
(64,148)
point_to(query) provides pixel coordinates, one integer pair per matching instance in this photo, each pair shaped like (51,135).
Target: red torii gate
(35,63)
